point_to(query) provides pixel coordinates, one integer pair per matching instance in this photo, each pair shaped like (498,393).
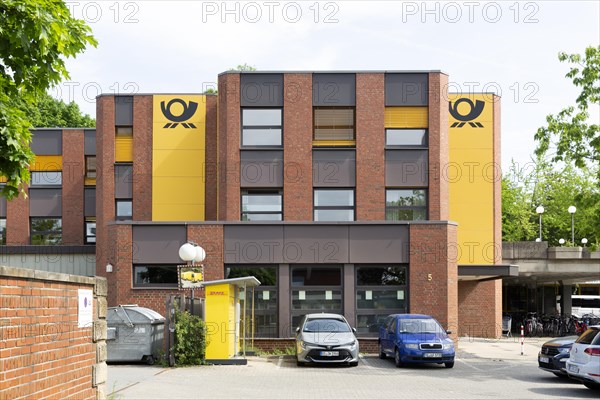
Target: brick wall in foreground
(43,353)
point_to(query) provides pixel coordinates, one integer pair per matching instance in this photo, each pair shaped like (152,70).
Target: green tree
(49,112)
(243,67)
(35,38)
(569,133)
(555,190)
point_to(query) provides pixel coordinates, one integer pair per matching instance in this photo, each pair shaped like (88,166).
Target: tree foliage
(49,112)
(569,133)
(35,38)
(243,68)
(555,189)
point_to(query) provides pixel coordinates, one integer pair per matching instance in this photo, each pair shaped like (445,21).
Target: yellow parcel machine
(224,318)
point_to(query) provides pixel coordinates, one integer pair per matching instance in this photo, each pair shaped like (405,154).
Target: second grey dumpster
(134,334)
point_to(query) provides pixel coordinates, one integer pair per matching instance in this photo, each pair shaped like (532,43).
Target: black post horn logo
(475,112)
(188,112)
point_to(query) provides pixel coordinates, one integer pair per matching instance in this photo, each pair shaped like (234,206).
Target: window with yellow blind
(124,144)
(334,126)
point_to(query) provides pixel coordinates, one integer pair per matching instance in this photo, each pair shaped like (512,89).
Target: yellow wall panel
(124,149)
(406,117)
(47,163)
(470,174)
(178,158)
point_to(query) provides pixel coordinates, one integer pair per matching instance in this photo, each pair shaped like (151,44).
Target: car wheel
(591,385)
(353,364)
(449,364)
(397,358)
(382,354)
(300,363)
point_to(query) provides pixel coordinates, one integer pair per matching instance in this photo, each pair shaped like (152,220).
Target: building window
(46,231)
(2,231)
(90,232)
(380,291)
(334,205)
(406,138)
(333,123)
(315,289)
(262,127)
(46,178)
(90,167)
(124,131)
(261,206)
(265,299)
(124,209)
(155,276)
(406,204)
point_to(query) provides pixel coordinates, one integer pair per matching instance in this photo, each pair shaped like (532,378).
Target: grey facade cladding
(90,201)
(406,168)
(261,90)
(334,90)
(158,244)
(89,142)
(315,243)
(45,202)
(406,89)
(261,168)
(124,110)
(123,181)
(46,142)
(334,168)
(2,206)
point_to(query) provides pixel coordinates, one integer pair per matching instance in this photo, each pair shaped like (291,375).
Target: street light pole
(540,211)
(572,210)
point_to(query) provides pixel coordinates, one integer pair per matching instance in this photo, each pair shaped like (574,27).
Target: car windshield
(419,326)
(326,325)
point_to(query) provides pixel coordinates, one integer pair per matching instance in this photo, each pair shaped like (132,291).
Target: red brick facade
(297,147)
(229,148)
(480,308)
(142,156)
(438,146)
(105,182)
(43,353)
(72,187)
(211,163)
(370,144)
(17,221)
(433,272)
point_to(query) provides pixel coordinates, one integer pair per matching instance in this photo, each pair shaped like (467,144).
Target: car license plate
(433,355)
(573,368)
(330,353)
(544,360)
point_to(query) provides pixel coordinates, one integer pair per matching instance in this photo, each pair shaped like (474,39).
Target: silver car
(327,339)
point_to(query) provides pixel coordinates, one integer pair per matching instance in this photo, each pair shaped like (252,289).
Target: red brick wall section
(370,143)
(229,147)
(105,181)
(480,308)
(72,187)
(433,272)
(211,178)
(210,237)
(17,221)
(438,146)
(142,156)
(297,128)
(43,354)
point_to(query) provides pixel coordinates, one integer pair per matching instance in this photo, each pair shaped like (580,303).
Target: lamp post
(191,253)
(584,241)
(572,210)
(561,241)
(540,211)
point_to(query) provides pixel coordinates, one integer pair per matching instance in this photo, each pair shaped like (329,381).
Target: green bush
(190,339)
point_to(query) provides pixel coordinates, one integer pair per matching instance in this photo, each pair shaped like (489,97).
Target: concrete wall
(43,352)
(74,264)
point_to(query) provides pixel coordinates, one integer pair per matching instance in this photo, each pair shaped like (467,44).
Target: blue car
(415,338)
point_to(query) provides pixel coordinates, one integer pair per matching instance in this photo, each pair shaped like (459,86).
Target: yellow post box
(225,319)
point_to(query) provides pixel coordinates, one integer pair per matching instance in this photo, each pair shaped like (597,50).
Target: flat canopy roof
(486,272)
(242,281)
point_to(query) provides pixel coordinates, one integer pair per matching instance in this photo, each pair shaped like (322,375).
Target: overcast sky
(509,48)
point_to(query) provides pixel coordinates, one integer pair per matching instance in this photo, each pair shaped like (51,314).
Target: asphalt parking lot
(483,370)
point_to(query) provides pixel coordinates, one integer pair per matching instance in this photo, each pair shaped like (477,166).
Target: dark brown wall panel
(261,169)
(261,90)
(158,244)
(46,142)
(406,168)
(406,89)
(334,168)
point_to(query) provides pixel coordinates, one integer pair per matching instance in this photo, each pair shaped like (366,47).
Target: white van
(582,304)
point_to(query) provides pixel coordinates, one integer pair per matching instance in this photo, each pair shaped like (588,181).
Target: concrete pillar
(284,301)
(566,302)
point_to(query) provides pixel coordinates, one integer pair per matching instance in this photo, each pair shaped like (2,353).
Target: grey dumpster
(134,334)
